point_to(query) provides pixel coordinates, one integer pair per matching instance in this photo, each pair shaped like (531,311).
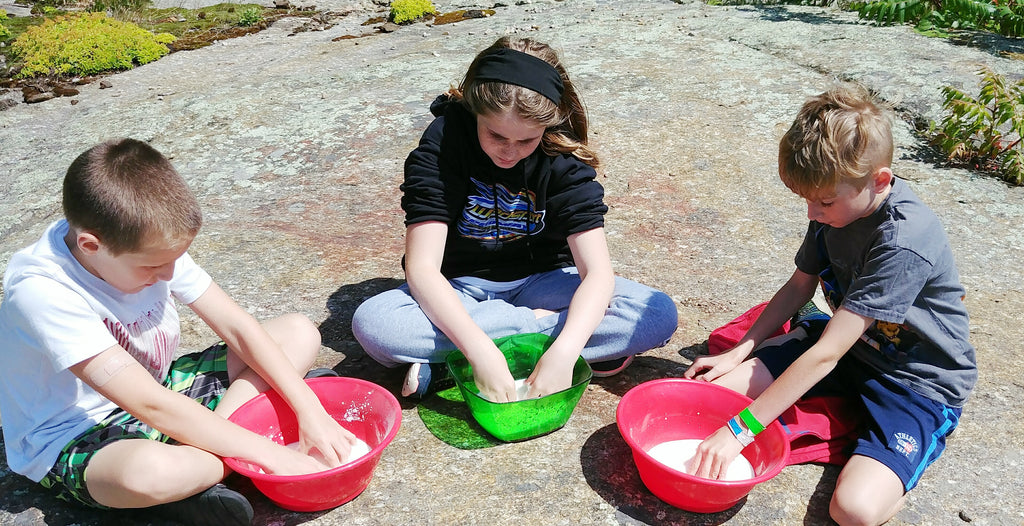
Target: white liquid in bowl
(359,450)
(676,454)
(521,390)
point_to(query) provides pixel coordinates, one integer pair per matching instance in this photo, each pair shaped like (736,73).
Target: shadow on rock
(779,14)
(609,469)
(817,507)
(336,332)
(643,369)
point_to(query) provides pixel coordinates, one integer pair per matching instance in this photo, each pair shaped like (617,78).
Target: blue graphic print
(494,213)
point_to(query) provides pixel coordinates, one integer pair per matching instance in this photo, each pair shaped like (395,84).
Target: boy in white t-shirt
(94,406)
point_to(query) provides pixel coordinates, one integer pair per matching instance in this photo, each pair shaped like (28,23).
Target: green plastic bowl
(512,421)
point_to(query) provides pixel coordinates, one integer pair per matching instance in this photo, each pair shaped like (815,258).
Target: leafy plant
(250,16)
(984,131)
(1000,16)
(4,32)
(403,11)
(84,45)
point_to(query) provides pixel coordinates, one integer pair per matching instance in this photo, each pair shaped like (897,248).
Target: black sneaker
(611,367)
(321,372)
(218,505)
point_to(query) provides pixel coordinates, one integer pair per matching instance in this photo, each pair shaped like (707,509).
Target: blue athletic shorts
(906,431)
(202,376)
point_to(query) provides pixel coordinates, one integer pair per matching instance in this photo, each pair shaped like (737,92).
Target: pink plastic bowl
(677,409)
(366,409)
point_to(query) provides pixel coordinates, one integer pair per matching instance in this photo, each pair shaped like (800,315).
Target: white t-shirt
(54,315)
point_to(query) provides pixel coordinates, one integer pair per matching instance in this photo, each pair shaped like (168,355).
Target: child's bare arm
(842,331)
(122,380)
(424,249)
(586,310)
(247,338)
(797,291)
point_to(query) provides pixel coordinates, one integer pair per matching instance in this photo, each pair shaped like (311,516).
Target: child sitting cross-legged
(505,235)
(898,339)
(95,408)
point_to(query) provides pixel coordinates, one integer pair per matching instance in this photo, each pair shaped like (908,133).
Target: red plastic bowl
(676,409)
(366,409)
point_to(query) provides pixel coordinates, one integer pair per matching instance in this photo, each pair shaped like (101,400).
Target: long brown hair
(565,123)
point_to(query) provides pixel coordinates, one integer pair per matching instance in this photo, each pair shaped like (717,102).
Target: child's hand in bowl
(550,376)
(492,377)
(553,372)
(321,435)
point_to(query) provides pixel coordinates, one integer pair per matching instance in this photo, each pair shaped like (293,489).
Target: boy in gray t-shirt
(897,340)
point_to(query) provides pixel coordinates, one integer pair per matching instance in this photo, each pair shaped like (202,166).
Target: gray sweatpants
(393,329)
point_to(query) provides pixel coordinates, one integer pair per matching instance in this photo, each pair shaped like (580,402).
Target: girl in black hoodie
(505,235)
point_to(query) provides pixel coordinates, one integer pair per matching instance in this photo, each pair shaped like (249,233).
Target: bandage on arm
(107,365)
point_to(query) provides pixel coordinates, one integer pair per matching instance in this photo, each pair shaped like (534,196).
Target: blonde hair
(565,123)
(840,136)
(125,193)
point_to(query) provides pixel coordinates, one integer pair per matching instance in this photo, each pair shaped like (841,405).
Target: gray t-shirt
(896,266)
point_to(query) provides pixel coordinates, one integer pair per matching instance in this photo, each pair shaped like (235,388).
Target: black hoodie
(503,224)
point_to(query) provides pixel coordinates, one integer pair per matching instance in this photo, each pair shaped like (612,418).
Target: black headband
(522,69)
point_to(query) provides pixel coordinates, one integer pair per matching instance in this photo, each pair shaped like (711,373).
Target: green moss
(84,45)
(405,11)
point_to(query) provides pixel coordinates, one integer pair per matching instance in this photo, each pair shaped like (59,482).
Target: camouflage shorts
(202,376)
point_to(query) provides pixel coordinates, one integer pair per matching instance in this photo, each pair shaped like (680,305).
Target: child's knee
(374,326)
(660,317)
(298,336)
(665,306)
(302,331)
(849,512)
(867,492)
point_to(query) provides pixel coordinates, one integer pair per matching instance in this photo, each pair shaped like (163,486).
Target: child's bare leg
(300,341)
(867,493)
(138,473)
(750,377)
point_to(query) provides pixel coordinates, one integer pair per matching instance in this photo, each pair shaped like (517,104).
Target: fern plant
(1000,16)
(984,131)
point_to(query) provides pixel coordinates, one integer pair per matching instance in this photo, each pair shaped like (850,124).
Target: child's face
(842,205)
(130,272)
(507,138)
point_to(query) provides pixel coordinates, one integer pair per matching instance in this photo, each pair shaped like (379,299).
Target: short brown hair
(124,192)
(842,135)
(566,123)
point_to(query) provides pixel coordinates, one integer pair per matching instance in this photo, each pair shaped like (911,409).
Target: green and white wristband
(752,424)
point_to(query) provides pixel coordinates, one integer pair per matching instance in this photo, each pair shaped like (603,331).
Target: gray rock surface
(294,144)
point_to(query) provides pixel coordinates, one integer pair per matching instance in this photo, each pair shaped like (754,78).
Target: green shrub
(937,16)
(84,45)
(250,16)
(403,11)
(984,131)
(4,32)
